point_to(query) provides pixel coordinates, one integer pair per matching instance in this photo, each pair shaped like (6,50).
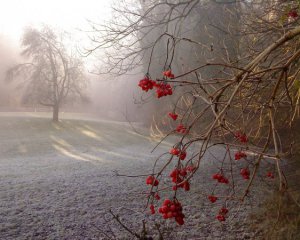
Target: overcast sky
(65,14)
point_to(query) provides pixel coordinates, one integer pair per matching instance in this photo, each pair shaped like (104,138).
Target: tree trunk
(55,113)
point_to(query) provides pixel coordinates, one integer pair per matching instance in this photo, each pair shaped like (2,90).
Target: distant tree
(53,73)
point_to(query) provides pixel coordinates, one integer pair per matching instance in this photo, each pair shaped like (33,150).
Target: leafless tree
(53,73)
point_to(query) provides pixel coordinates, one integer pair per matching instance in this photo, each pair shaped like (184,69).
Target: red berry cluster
(168,74)
(147,84)
(177,152)
(238,155)
(152,181)
(172,209)
(173,116)
(181,129)
(222,214)
(212,198)
(270,175)
(220,178)
(163,89)
(152,209)
(245,173)
(293,14)
(241,137)
(178,178)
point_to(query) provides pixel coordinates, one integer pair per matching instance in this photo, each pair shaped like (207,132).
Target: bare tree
(53,73)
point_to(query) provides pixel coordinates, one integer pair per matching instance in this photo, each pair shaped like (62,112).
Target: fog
(110,97)
(9,92)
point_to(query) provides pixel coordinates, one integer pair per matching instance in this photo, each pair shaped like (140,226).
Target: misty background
(109,96)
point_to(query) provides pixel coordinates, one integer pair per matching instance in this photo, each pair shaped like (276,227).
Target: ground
(58,181)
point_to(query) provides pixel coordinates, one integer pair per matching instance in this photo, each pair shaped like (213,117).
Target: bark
(55,113)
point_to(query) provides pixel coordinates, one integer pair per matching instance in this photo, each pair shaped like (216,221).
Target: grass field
(57,181)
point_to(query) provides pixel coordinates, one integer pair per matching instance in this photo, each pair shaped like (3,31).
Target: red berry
(173,208)
(167,202)
(186,186)
(173,116)
(168,74)
(152,209)
(164,209)
(181,129)
(183,172)
(180,221)
(241,137)
(212,198)
(182,155)
(223,211)
(175,151)
(220,178)
(152,181)
(170,214)
(221,218)
(216,176)
(245,173)
(239,155)
(149,180)
(174,173)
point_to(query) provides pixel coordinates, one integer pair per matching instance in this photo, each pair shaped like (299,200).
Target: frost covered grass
(57,181)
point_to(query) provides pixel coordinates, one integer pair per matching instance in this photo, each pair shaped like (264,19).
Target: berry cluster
(168,74)
(222,214)
(147,84)
(177,152)
(181,129)
(241,137)
(163,89)
(220,178)
(245,173)
(238,155)
(172,209)
(152,209)
(178,177)
(152,181)
(173,116)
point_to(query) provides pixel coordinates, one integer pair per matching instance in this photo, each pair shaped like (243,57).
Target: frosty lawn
(57,180)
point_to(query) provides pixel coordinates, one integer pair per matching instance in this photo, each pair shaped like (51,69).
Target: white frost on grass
(57,180)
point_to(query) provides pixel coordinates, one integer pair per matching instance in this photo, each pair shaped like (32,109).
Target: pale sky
(65,14)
